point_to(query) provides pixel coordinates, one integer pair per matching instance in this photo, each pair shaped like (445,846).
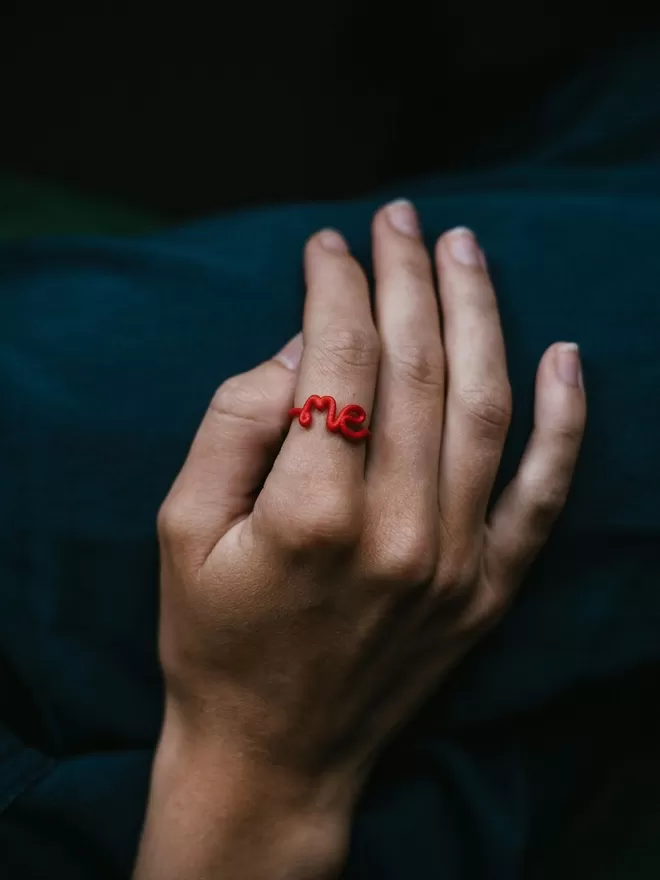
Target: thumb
(232,452)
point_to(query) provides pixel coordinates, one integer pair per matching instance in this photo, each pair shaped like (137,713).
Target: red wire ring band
(346,422)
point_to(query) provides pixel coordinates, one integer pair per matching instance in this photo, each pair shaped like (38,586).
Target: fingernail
(331,240)
(464,248)
(291,353)
(568,364)
(403,217)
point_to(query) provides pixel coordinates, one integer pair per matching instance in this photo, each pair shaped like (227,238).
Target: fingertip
(399,216)
(561,364)
(328,240)
(458,247)
(560,395)
(568,364)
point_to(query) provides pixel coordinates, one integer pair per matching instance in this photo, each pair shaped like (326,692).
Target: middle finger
(405,451)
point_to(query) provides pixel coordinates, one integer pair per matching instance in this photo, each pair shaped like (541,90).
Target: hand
(315,590)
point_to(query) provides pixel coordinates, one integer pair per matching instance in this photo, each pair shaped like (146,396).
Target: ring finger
(478,406)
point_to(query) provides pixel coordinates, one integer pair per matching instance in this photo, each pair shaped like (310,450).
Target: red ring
(340,422)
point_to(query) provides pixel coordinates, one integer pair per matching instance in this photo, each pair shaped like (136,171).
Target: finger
(523,516)
(478,403)
(340,361)
(405,449)
(232,451)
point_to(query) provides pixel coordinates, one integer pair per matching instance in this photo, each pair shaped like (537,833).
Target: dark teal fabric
(110,352)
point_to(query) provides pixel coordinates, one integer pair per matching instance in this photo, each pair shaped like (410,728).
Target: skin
(314,589)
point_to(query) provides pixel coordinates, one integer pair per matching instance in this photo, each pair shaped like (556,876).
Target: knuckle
(331,521)
(546,499)
(350,347)
(174,522)
(406,562)
(463,590)
(489,408)
(487,606)
(569,434)
(459,563)
(454,593)
(457,573)
(419,367)
(493,603)
(236,398)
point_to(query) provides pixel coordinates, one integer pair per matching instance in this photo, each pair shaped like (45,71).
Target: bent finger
(232,452)
(523,517)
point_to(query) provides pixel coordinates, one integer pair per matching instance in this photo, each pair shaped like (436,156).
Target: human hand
(315,591)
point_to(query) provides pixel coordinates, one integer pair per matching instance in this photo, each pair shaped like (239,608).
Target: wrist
(255,820)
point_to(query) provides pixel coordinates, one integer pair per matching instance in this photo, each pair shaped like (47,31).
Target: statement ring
(346,422)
